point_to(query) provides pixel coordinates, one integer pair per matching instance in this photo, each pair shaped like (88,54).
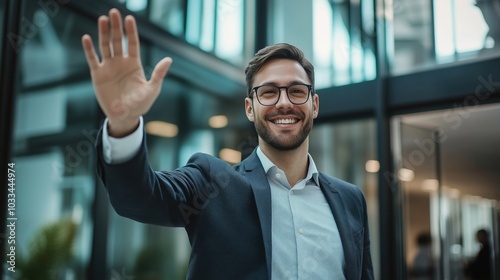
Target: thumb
(160,71)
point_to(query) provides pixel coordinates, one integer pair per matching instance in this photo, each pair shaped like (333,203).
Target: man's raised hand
(119,82)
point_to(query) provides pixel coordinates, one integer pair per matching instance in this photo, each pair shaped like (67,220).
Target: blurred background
(409,112)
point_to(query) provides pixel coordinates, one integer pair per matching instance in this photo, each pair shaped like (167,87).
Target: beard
(284,142)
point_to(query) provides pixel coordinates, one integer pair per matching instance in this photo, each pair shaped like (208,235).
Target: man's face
(283,126)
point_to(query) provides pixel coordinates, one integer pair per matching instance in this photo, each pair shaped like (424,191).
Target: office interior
(409,112)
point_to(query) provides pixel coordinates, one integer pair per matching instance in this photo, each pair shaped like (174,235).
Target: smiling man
(273,216)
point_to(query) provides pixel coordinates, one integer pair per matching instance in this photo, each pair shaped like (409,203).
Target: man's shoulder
(339,185)
(211,161)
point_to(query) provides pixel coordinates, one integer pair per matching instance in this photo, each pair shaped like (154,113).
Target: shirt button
(278,175)
(301,230)
(291,192)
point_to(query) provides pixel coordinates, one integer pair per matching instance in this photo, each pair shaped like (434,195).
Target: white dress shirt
(305,239)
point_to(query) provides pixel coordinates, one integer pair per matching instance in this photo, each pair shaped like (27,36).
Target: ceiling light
(230,155)
(162,129)
(453,193)
(430,184)
(406,175)
(218,121)
(372,166)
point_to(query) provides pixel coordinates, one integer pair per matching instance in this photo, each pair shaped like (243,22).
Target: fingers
(103,26)
(90,53)
(160,71)
(132,36)
(111,34)
(116,32)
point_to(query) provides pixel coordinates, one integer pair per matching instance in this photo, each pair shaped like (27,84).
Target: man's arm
(124,95)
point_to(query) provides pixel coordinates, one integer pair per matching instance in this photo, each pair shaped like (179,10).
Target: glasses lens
(298,94)
(268,95)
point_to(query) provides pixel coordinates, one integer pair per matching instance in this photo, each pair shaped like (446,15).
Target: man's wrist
(120,129)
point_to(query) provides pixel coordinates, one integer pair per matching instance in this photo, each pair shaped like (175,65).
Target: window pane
(208,26)
(468,35)
(168,15)
(193,23)
(53,142)
(337,36)
(230,30)
(448,31)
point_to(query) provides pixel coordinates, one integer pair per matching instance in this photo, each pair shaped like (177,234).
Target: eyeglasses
(268,95)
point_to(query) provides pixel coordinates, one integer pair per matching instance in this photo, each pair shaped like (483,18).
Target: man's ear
(315,105)
(249,109)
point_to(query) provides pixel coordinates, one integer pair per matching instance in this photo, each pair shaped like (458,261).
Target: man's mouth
(284,121)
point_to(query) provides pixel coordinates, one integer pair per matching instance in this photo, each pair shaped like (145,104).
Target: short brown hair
(276,51)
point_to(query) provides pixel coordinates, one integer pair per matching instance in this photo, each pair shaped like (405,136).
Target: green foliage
(49,251)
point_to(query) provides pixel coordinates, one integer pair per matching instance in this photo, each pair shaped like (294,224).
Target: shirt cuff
(120,150)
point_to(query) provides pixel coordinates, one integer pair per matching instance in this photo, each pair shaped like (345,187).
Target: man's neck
(294,163)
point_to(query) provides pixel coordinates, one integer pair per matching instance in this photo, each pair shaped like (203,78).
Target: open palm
(121,88)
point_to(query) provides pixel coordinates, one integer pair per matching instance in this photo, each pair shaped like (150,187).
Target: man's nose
(283,101)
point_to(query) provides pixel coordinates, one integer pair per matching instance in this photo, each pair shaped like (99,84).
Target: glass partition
(347,150)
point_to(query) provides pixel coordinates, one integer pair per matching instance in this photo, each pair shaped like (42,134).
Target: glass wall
(55,127)
(448,171)
(216,26)
(337,36)
(347,150)
(427,33)
(53,145)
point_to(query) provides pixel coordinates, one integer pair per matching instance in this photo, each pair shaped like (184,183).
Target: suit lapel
(336,203)
(262,193)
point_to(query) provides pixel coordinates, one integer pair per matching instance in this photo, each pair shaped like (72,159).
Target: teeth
(284,121)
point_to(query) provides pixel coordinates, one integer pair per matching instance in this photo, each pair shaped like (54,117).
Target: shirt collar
(267,164)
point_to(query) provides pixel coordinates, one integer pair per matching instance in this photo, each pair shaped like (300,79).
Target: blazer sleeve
(138,192)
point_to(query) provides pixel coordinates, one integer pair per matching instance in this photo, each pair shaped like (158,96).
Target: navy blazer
(226,212)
